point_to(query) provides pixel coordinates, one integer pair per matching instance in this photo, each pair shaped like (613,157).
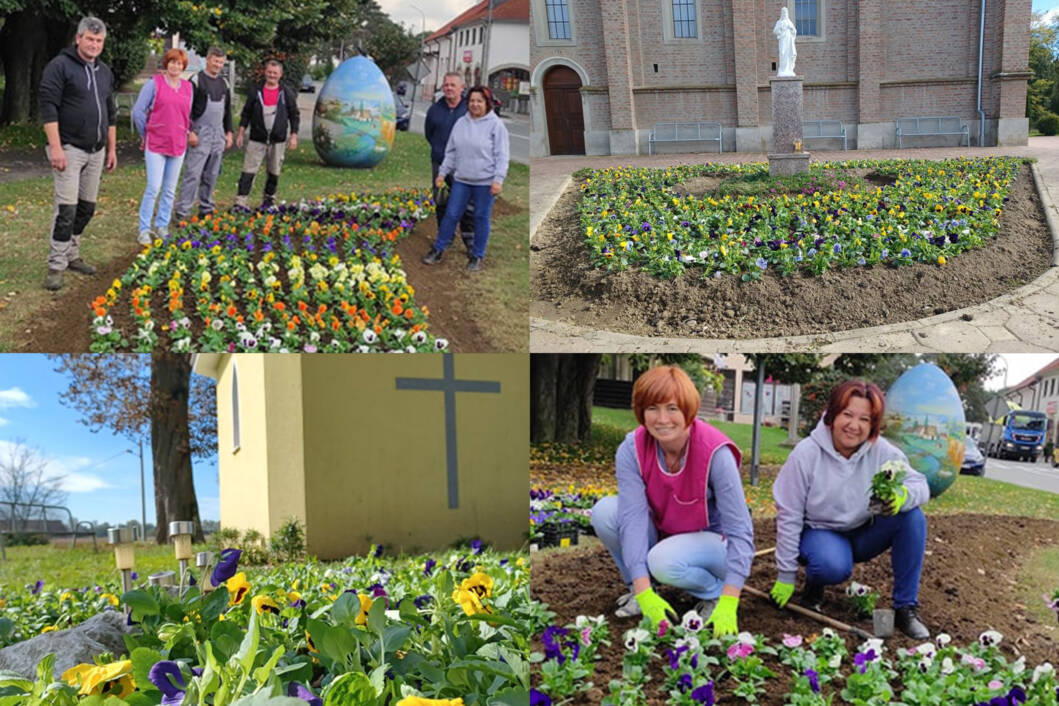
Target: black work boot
(906,619)
(433,257)
(812,596)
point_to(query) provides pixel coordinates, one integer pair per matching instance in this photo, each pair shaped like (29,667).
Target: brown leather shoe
(54,280)
(81,266)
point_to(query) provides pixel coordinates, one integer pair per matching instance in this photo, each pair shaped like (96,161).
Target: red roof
(1054,365)
(502,10)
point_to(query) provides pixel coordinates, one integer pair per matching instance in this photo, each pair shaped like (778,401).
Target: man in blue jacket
(441,116)
(78,112)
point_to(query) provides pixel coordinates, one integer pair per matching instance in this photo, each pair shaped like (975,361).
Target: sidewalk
(1023,321)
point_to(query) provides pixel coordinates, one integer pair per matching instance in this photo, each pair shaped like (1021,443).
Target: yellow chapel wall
(375,459)
(243,482)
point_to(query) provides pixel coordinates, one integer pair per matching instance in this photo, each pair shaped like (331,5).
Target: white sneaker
(145,237)
(627,606)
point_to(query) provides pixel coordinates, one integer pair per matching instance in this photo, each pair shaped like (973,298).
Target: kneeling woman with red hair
(823,517)
(680,515)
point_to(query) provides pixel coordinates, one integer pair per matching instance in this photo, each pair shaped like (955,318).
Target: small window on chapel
(235,407)
(558,19)
(807,18)
(684,26)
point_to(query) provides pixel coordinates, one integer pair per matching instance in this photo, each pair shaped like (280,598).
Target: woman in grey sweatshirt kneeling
(476,156)
(823,518)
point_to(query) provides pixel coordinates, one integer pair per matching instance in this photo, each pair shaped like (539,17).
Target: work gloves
(723,616)
(781,593)
(655,607)
(889,506)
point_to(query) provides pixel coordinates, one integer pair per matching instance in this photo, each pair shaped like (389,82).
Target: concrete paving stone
(1044,303)
(1016,347)
(988,315)
(1036,330)
(952,338)
(895,342)
(997,334)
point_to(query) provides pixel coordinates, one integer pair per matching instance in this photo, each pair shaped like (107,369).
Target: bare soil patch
(568,288)
(968,586)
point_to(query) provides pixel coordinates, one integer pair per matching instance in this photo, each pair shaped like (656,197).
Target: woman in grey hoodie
(476,156)
(823,519)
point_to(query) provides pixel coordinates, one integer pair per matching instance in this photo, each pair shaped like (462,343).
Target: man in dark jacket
(269,112)
(441,116)
(211,116)
(77,109)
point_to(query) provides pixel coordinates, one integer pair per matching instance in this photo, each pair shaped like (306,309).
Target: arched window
(235,407)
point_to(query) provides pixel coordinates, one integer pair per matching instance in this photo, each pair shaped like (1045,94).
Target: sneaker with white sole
(145,237)
(627,606)
(705,608)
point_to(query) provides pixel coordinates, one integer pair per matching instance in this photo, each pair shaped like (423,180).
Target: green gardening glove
(723,616)
(655,607)
(898,499)
(781,593)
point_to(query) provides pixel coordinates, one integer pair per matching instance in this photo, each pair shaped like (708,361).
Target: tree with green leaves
(1042,91)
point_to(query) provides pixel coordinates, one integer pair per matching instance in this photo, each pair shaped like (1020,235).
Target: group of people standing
(182,124)
(680,517)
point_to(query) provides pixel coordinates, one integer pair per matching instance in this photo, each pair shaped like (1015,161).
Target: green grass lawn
(59,566)
(498,298)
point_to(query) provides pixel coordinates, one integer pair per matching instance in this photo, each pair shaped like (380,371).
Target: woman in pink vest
(680,516)
(162,115)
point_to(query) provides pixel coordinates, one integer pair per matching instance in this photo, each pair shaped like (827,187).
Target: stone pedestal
(787,126)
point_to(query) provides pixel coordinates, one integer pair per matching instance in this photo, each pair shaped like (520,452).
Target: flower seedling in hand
(887,489)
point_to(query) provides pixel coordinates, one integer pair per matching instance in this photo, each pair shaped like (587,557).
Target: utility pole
(486,43)
(419,62)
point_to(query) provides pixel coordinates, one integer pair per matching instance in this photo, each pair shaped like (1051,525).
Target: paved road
(1040,476)
(517,129)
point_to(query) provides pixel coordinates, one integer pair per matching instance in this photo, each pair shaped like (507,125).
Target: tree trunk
(561,403)
(28,40)
(174,489)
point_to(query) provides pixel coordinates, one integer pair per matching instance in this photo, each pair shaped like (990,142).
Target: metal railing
(19,522)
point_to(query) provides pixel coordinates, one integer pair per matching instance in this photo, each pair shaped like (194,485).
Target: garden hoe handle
(819,617)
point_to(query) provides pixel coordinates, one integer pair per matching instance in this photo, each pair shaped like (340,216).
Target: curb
(590,339)
(537,216)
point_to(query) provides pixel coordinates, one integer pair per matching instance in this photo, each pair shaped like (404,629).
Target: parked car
(307,84)
(496,105)
(404,113)
(973,460)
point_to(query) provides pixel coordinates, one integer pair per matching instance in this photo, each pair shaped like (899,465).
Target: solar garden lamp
(124,554)
(181,532)
(162,578)
(203,560)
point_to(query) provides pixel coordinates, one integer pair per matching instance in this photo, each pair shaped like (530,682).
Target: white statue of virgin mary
(785,32)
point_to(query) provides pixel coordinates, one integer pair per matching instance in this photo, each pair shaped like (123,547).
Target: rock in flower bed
(905,212)
(300,277)
(446,629)
(697,669)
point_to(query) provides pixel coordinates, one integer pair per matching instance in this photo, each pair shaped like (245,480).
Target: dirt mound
(968,585)
(567,287)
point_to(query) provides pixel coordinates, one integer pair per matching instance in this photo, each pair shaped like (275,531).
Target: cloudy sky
(102,480)
(437,12)
(1049,7)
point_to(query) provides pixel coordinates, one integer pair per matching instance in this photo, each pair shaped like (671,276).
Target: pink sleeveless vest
(678,500)
(170,118)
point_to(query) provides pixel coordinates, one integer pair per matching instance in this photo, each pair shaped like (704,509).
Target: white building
(461,44)
(1040,392)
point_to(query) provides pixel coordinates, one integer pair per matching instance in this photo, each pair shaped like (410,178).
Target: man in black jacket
(77,109)
(211,116)
(268,112)
(437,127)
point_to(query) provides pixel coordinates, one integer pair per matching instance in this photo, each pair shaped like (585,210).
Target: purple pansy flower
(300,692)
(814,680)
(862,659)
(172,695)
(539,698)
(429,566)
(704,694)
(226,566)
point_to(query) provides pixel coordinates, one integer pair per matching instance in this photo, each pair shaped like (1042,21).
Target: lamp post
(181,531)
(419,60)
(143,491)
(485,46)
(124,554)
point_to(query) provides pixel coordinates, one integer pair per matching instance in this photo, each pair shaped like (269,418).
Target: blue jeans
(483,207)
(694,562)
(162,175)
(829,555)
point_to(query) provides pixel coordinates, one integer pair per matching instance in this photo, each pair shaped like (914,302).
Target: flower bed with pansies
(446,629)
(922,211)
(301,277)
(684,664)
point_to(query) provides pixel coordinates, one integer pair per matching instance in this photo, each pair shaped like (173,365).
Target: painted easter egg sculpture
(355,118)
(924,418)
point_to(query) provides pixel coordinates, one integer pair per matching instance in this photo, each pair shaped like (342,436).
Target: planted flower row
(422,630)
(303,277)
(632,217)
(569,507)
(698,669)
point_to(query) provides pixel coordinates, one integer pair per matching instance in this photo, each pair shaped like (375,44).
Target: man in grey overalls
(211,121)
